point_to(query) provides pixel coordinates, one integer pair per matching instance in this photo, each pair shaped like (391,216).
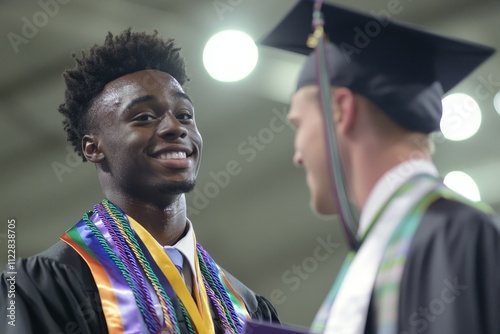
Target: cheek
(311,140)
(198,138)
(318,157)
(304,138)
(121,144)
(316,152)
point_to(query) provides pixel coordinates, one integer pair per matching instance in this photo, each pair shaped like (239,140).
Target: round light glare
(230,55)
(496,102)
(463,184)
(461,117)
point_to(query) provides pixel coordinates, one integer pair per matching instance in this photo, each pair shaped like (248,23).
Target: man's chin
(177,188)
(323,209)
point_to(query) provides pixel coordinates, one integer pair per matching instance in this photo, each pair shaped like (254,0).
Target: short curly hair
(122,54)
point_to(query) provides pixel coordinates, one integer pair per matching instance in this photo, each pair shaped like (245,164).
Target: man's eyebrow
(147,98)
(183,96)
(140,99)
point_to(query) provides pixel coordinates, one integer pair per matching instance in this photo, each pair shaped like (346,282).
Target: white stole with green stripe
(350,306)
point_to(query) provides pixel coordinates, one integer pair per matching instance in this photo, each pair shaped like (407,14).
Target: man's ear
(344,108)
(91,149)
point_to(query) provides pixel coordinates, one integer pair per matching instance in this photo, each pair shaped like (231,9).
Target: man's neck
(166,222)
(374,164)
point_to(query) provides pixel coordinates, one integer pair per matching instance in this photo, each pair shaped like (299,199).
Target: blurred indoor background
(257,224)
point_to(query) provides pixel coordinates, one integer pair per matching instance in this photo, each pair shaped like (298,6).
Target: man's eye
(184,116)
(144,117)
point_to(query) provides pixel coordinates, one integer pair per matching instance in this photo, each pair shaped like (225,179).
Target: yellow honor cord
(199,311)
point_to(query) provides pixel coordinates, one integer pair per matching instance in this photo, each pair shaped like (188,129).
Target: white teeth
(173,155)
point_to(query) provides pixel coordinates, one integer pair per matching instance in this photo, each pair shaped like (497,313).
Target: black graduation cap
(403,70)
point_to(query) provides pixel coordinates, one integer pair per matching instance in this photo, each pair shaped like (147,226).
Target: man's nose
(171,128)
(297,159)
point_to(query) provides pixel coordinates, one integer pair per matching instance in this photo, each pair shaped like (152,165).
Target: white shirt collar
(388,184)
(186,246)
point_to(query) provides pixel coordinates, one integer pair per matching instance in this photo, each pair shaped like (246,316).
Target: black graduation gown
(451,278)
(56,293)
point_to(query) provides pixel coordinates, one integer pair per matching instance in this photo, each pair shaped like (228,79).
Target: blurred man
(132,264)
(424,259)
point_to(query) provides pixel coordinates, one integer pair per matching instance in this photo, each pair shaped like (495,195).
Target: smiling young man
(424,259)
(132,264)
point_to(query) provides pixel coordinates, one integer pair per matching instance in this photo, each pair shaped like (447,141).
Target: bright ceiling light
(461,117)
(463,184)
(496,102)
(230,55)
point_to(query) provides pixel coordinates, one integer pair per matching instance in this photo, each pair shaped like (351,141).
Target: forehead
(141,83)
(302,100)
(122,92)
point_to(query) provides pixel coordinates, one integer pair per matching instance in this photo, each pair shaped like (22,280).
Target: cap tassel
(336,173)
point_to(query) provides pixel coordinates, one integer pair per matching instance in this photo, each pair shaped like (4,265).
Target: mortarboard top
(403,70)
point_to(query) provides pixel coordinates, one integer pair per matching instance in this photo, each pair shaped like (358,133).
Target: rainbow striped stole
(124,313)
